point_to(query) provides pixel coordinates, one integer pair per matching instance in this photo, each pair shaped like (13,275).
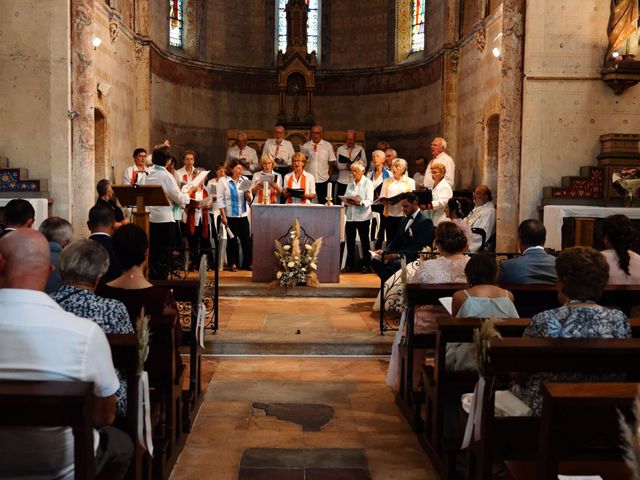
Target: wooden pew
(571,440)
(444,387)
(509,438)
(187,291)
(529,300)
(165,381)
(53,404)
(124,352)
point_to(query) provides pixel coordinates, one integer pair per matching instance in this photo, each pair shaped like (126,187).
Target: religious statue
(623,28)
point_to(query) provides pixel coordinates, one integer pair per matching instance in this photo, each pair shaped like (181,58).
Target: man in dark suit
(416,232)
(534,266)
(101,223)
(18,213)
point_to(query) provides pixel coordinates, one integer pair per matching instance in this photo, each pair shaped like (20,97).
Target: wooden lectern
(141,196)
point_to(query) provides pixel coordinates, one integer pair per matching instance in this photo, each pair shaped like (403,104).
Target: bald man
(32,322)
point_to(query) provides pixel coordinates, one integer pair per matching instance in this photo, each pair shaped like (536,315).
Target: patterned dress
(110,315)
(569,322)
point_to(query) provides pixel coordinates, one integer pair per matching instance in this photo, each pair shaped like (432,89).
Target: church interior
(536,100)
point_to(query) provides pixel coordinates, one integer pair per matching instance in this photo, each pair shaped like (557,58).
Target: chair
(483,235)
(53,404)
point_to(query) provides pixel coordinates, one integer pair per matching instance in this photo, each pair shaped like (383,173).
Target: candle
(329,190)
(265,192)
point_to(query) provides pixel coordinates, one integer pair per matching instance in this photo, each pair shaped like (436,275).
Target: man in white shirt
(245,154)
(438,155)
(347,154)
(389,156)
(321,161)
(40,341)
(482,216)
(418,177)
(136,174)
(162,223)
(280,149)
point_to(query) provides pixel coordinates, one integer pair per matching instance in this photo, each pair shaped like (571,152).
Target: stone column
(450,77)
(83,87)
(143,74)
(510,143)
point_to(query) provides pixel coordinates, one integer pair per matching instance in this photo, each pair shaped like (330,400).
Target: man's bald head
(24,260)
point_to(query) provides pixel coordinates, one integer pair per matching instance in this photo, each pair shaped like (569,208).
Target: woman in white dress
(624,265)
(447,268)
(378,175)
(441,192)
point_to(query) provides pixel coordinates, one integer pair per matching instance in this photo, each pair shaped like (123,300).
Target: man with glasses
(280,149)
(136,174)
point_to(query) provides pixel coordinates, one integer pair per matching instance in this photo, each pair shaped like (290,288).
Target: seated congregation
(523,310)
(117,336)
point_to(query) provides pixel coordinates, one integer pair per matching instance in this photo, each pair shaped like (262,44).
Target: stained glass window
(313,24)
(175,22)
(417,25)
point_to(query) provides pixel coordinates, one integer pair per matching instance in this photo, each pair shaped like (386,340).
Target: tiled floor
(365,418)
(313,418)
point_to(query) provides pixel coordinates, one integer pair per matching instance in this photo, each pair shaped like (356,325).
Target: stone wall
(115,67)
(478,99)
(35,93)
(358,32)
(566,106)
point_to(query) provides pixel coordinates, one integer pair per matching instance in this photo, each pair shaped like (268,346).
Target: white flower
(296,257)
(307,246)
(303,269)
(313,266)
(279,274)
(291,264)
(287,247)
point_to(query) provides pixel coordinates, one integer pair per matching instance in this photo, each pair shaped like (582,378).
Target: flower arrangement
(627,182)
(298,263)
(143,334)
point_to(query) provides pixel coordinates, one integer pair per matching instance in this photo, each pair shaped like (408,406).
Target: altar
(554,216)
(271,222)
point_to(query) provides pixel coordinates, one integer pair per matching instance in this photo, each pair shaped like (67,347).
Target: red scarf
(303,185)
(191,217)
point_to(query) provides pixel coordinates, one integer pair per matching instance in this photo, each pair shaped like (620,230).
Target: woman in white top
(234,196)
(358,215)
(212,189)
(618,236)
(456,210)
(299,179)
(399,183)
(440,194)
(162,223)
(378,175)
(275,186)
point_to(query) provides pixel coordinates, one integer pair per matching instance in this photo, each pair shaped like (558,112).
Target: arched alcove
(490,170)
(101,165)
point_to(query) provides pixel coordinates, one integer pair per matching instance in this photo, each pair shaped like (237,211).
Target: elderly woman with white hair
(82,264)
(267,174)
(397,184)
(358,199)
(378,174)
(440,194)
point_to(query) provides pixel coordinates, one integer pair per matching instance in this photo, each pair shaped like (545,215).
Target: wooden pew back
(53,404)
(516,437)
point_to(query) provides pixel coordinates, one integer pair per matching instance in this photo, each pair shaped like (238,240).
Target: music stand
(141,196)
